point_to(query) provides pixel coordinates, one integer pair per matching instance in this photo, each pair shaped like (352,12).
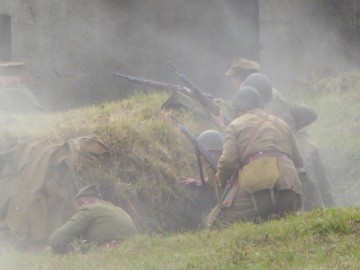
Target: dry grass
(148,154)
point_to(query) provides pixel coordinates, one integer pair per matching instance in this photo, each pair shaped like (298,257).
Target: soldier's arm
(303,115)
(72,229)
(229,158)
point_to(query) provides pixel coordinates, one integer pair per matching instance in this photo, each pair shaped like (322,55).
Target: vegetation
(323,239)
(148,154)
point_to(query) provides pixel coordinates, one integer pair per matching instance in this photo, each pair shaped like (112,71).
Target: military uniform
(97,223)
(295,115)
(268,181)
(207,197)
(229,113)
(317,191)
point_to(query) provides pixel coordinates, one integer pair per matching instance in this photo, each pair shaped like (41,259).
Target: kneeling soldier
(262,149)
(96,222)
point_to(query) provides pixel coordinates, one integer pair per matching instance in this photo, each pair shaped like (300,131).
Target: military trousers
(267,206)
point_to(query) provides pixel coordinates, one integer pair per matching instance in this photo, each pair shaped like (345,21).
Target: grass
(322,239)
(148,154)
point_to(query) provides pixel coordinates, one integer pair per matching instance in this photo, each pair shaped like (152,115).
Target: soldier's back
(107,222)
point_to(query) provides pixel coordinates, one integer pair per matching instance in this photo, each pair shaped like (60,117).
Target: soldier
(295,115)
(15,97)
(96,222)
(262,148)
(207,197)
(317,191)
(239,70)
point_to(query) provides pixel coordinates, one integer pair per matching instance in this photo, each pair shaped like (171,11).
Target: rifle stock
(217,209)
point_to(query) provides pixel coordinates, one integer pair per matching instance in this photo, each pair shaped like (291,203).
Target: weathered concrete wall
(70,47)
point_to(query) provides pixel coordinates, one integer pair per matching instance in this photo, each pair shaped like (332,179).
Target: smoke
(305,38)
(70,48)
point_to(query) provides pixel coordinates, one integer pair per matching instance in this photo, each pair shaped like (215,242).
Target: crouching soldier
(207,197)
(96,222)
(261,148)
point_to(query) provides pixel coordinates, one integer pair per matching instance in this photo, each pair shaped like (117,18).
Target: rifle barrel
(154,84)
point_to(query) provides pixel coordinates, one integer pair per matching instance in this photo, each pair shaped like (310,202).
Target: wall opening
(5,37)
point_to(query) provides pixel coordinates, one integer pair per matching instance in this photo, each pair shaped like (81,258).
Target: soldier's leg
(243,209)
(287,202)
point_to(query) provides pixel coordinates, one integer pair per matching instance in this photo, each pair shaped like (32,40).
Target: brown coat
(249,134)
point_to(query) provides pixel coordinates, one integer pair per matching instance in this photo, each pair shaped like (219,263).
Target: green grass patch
(323,239)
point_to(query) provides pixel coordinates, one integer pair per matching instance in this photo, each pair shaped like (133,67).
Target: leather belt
(110,243)
(267,153)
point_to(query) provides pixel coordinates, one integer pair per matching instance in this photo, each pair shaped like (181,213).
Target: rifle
(213,164)
(204,99)
(217,209)
(198,147)
(154,84)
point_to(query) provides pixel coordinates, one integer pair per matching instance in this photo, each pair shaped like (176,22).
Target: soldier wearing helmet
(96,222)
(317,190)
(262,148)
(207,197)
(212,140)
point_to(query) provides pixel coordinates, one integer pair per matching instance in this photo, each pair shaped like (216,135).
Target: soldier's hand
(192,181)
(187,90)
(219,120)
(218,100)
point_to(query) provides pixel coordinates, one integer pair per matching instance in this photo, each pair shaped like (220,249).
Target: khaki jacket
(96,223)
(295,115)
(257,131)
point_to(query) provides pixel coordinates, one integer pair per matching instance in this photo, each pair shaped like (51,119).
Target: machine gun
(203,98)
(149,83)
